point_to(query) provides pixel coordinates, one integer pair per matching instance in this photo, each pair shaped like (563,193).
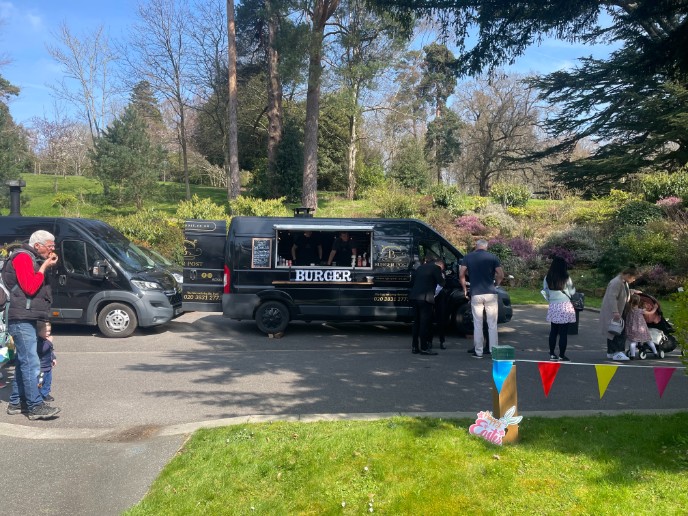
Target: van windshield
(128,256)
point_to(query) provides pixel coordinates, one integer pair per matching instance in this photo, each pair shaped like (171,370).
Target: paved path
(128,405)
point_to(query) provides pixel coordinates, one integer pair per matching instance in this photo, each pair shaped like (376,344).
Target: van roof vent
(303,212)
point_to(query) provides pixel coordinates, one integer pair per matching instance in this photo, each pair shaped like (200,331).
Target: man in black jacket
(424,283)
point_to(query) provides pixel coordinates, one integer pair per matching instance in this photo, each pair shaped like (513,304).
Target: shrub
(495,216)
(65,202)
(499,248)
(596,212)
(522,248)
(476,203)
(562,252)
(154,229)
(445,196)
(649,247)
(580,242)
(617,198)
(672,207)
(394,202)
(680,319)
(638,213)
(662,185)
(202,209)
(656,280)
(471,224)
(253,207)
(508,194)
(370,176)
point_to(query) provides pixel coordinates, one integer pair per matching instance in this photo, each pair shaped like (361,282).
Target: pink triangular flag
(605,373)
(662,377)
(548,371)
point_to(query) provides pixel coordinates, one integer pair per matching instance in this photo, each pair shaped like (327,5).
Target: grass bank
(403,465)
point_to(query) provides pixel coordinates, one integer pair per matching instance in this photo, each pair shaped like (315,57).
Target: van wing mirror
(102,269)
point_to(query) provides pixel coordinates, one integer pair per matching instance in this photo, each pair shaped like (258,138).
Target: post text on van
(311,275)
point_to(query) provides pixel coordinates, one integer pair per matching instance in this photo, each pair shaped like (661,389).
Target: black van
(101,278)
(251,274)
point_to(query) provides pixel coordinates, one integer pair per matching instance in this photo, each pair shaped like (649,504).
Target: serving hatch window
(322,246)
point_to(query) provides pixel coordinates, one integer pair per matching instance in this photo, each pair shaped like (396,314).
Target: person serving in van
(306,249)
(30,302)
(342,251)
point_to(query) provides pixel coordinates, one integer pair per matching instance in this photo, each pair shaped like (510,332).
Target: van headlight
(147,285)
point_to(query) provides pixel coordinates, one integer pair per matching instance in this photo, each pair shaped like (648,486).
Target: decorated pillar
(504,392)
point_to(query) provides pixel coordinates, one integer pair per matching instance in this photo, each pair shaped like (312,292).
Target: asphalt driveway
(128,405)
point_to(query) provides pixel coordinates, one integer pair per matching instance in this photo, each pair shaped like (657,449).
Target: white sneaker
(620,356)
(610,355)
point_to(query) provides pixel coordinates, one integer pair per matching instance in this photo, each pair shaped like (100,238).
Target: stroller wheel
(660,353)
(642,355)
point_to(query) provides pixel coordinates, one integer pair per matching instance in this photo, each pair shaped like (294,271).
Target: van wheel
(272,317)
(117,320)
(463,319)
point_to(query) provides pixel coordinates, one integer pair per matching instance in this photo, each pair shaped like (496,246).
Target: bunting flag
(605,373)
(548,371)
(662,377)
(500,370)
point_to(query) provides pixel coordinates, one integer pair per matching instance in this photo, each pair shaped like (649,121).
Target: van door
(75,286)
(204,265)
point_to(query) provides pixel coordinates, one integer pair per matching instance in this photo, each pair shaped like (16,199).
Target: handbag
(616,327)
(577,300)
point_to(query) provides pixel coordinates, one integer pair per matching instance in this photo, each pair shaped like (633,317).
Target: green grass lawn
(417,466)
(528,296)
(41,191)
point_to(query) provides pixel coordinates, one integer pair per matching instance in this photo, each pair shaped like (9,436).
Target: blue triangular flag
(500,370)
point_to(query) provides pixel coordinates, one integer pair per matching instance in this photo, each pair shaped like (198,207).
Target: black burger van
(251,271)
(101,278)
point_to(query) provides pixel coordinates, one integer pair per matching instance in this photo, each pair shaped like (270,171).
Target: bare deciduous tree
(60,144)
(501,116)
(161,53)
(87,83)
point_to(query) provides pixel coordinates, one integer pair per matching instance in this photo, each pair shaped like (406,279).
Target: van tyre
(117,320)
(463,319)
(272,317)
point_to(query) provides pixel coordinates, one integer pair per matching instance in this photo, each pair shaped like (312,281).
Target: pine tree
(126,161)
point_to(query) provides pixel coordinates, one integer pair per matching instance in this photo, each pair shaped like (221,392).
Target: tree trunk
(322,11)
(309,196)
(233,184)
(182,141)
(351,157)
(274,109)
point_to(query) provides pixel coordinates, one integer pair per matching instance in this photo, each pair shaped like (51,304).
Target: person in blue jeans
(46,355)
(30,302)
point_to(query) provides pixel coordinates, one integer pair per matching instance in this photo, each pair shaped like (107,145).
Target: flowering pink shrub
(522,247)
(552,251)
(670,202)
(472,224)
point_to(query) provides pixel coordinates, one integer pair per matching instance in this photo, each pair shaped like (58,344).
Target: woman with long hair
(558,289)
(614,302)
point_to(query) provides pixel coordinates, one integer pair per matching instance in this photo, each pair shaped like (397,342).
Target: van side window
(312,246)
(79,256)
(393,254)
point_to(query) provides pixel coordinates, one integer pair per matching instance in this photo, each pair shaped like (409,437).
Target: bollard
(507,398)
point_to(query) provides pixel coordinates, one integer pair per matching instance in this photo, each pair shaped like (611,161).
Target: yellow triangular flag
(605,373)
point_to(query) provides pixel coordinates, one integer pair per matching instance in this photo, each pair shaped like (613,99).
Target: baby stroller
(660,330)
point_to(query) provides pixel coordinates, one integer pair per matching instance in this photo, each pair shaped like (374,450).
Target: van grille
(175,298)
